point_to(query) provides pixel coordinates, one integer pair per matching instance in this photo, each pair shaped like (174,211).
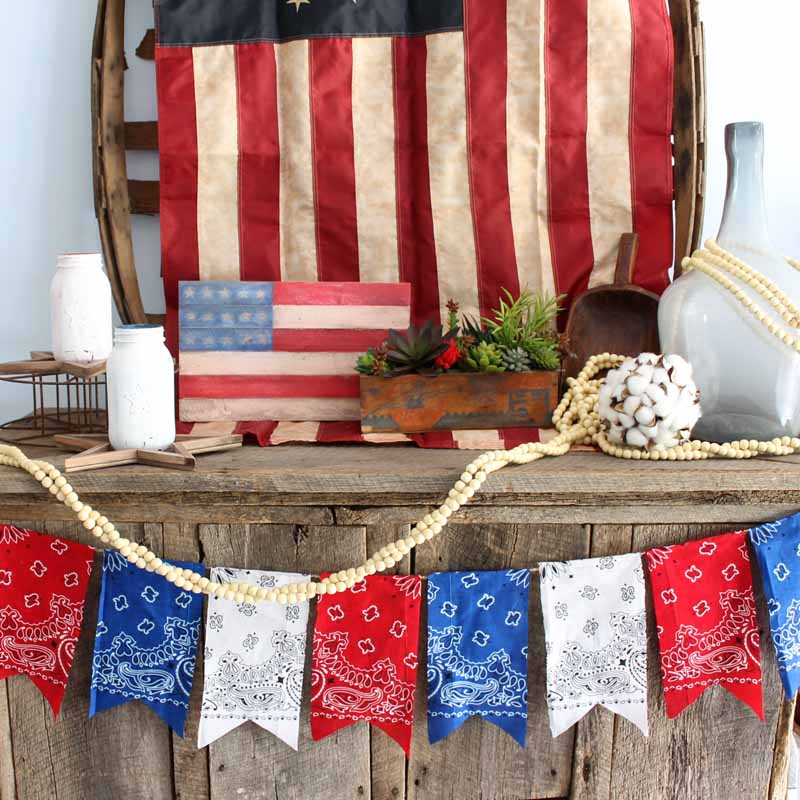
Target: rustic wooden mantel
(310,509)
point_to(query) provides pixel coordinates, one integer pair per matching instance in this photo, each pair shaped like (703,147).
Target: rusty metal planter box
(458,401)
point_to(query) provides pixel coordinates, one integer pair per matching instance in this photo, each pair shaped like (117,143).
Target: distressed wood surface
(458,401)
(389,476)
(249,762)
(706,750)
(595,733)
(697,755)
(141,136)
(77,757)
(478,759)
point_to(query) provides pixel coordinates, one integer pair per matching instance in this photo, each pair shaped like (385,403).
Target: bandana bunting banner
(254,659)
(43,582)
(365,657)
(146,641)
(596,638)
(706,615)
(777,547)
(365,640)
(478,650)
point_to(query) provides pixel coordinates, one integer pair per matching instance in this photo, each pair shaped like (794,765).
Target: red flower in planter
(450,356)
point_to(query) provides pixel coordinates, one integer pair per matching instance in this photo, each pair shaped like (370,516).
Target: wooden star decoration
(297,4)
(96,451)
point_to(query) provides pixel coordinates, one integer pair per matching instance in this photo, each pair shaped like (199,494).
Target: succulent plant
(373,362)
(518,322)
(515,359)
(416,349)
(543,352)
(485,357)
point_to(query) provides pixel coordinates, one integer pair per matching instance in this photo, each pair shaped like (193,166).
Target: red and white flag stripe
(512,154)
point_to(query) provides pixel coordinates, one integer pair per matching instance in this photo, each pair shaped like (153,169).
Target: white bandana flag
(254,659)
(594,622)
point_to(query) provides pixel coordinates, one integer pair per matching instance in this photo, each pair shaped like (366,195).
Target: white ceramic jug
(80,309)
(749,381)
(141,389)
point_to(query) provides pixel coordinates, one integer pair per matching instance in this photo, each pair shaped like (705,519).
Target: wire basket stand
(67,398)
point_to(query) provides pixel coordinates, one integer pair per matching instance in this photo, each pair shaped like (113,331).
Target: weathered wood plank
(144,197)
(8,787)
(112,165)
(387,760)
(685,126)
(141,136)
(480,760)
(699,753)
(375,476)
(249,762)
(123,752)
(189,764)
(522,511)
(781,755)
(147,47)
(594,735)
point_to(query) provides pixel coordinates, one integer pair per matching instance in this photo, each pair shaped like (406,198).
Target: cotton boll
(631,404)
(635,438)
(626,420)
(650,401)
(636,384)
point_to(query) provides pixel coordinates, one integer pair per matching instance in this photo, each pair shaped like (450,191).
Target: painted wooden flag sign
(463,146)
(259,350)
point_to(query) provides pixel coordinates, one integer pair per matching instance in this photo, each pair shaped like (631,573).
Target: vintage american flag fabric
(260,350)
(462,146)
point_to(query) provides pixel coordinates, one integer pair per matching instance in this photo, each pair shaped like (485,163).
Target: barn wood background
(294,508)
(116,197)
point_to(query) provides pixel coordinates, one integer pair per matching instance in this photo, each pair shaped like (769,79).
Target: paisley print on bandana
(254,660)
(477,650)
(777,547)
(146,641)
(43,582)
(705,609)
(364,664)
(596,639)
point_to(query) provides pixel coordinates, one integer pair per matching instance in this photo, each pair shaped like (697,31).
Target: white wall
(46,202)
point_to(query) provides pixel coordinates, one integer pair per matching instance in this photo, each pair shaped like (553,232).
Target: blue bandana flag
(478,650)
(777,546)
(146,641)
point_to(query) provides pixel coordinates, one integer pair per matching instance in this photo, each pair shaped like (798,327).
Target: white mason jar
(80,309)
(141,389)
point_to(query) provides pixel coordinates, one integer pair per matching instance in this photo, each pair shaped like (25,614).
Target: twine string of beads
(576,419)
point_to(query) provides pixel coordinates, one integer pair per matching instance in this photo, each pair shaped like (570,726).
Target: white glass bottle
(141,389)
(80,309)
(749,381)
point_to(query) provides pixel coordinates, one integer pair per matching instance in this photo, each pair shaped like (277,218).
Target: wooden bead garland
(576,419)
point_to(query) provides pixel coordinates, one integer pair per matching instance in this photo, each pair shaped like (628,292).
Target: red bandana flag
(365,657)
(706,615)
(43,583)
